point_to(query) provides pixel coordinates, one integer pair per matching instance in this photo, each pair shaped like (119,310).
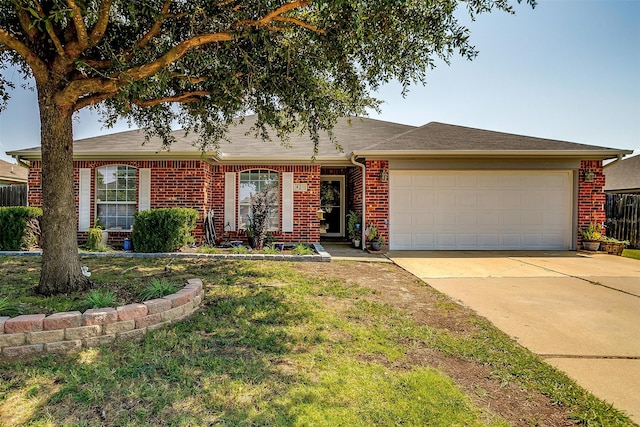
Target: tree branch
(38,67)
(78,88)
(78,22)
(90,100)
(155,28)
(25,22)
(50,29)
(103,19)
(299,23)
(183,98)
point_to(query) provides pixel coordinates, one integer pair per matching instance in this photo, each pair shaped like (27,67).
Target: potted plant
(353,228)
(105,234)
(613,246)
(591,236)
(376,241)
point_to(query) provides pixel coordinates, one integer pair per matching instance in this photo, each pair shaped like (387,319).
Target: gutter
(364,194)
(416,154)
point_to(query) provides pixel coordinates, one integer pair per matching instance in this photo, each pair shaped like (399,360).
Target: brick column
(377,197)
(591,197)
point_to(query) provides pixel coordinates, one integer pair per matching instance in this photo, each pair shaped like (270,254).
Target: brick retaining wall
(32,334)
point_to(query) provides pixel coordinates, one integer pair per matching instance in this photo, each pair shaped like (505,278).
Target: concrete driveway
(580,313)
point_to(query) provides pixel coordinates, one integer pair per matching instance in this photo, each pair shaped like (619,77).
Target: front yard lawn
(284,344)
(631,253)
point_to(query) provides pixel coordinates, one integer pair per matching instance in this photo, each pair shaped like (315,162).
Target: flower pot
(590,245)
(376,245)
(356,243)
(105,238)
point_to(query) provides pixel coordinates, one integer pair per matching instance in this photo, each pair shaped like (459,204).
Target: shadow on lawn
(223,365)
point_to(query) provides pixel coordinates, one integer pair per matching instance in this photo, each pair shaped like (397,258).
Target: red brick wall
(377,197)
(174,183)
(591,196)
(306,226)
(34,179)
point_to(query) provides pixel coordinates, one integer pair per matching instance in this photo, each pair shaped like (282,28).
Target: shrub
(94,238)
(163,230)
(158,288)
(99,298)
(9,308)
(272,250)
(303,249)
(259,213)
(239,250)
(20,227)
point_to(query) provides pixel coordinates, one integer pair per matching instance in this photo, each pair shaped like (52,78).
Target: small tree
(260,210)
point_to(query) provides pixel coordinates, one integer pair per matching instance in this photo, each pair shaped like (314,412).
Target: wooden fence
(623,217)
(13,195)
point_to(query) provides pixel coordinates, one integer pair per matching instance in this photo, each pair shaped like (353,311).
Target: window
(116,196)
(252,182)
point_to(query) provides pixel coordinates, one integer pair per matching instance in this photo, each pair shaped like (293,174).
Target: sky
(566,70)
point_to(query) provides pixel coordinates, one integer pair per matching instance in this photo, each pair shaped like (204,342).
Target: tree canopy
(202,62)
(296,64)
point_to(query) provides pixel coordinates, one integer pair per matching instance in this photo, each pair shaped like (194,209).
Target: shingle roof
(441,136)
(359,133)
(623,175)
(362,136)
(10,172)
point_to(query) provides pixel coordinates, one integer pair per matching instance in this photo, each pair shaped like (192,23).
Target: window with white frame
(252,182)
(116,196)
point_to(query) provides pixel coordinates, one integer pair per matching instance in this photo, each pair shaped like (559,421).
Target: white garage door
(480,210)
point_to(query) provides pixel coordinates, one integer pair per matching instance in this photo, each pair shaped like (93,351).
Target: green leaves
(301,68)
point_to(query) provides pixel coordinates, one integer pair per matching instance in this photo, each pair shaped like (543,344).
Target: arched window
(253,181)
(116,196)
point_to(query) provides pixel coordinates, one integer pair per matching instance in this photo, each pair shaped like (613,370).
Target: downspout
(364,194)
(21,162)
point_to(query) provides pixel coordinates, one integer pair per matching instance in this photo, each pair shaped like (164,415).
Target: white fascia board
(414,154)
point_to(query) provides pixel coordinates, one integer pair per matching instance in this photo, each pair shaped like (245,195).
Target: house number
(300,186)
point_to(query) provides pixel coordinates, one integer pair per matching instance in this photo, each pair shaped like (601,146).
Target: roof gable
(10,172)
(623,175)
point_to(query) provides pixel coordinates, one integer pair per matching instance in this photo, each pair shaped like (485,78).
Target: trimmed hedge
(163,230)
(19,227)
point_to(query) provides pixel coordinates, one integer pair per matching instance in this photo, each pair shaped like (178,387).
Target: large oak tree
(297,64)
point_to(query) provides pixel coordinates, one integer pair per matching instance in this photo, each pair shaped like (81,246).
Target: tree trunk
(60,271)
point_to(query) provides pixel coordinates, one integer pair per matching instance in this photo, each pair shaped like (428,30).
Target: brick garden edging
(31,334)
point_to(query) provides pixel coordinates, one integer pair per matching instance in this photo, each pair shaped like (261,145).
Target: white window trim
(241,224)
(135,203)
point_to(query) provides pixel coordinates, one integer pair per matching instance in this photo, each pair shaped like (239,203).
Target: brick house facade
(213,183)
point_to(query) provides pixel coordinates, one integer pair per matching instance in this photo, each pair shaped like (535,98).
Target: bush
(99,298)
(94,238)
(20,227)
(9,308)
(163,230)
(158,288)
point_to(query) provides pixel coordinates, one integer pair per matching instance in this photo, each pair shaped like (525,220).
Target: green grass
(272,346)
(631,253)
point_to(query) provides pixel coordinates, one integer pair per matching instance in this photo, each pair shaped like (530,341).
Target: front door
(332,205)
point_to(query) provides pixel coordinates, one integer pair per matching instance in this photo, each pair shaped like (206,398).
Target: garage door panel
(422,201)
(423,220)
(480,210)
(423,240)
(423,181)
(488,241)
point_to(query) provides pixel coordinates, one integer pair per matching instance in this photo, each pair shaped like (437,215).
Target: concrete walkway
(344,251)
(580,313)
